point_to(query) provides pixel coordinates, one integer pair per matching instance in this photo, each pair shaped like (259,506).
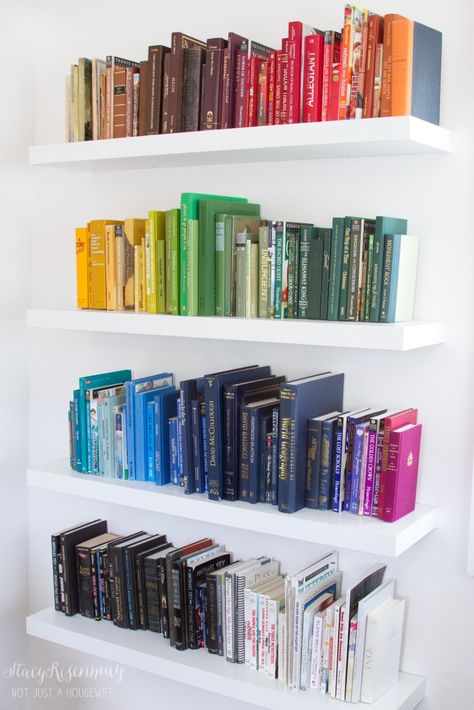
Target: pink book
(402,471)
(406,416)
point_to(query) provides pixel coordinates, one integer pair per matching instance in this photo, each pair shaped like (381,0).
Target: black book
(313,458)
(86,573)
(68,541)
(129,554)
(257,411)
(117,588)
(195,574)
(151,588)
(194,58)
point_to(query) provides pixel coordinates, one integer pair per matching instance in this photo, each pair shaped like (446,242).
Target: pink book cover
(406,416)
(402,471)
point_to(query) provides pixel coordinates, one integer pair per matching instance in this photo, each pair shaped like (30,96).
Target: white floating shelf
(373,336)
(302,141)
(151,653)
(342,530)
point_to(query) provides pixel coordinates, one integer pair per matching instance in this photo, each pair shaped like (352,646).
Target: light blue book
(145,393)
(165,406)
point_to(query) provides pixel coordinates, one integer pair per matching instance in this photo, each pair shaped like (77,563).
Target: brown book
(129,99)
(234,43)
(225,76)
(192,73)
(375,36)
(165,110)
(212,83)
(142,108)
(377,81)
(179,42)
(156,59)
(115,93)
(386,91)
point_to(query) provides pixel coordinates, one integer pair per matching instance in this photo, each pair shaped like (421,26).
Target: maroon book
(234,43)
(212,84)
(154,87)
(142,109)
(179,42)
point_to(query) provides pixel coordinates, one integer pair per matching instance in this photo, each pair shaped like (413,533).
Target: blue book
(190,390)
(132,389)
(165,405)
(150,442)
(204,448)
(198,463)
(275,441)
(383,226)
(180,444)
(357,458)
(140,424)
(326,462)
(300,400)
(352,422)
(103,380)
(173,450)
(258,413)
(119,438)
(313,458)
(214,398)
(76,433)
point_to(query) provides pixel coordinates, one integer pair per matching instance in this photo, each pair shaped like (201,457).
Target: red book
(402,471)
(271,88)
(262,96)
(332,55)
(240,118)
(284,82)
(407,416)
(253,65)
(374,37)
(297,32)
(313,77)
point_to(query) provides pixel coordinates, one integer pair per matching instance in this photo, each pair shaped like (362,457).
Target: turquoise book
(383,226)
(190,210)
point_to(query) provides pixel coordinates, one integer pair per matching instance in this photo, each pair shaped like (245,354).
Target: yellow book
(161,282)
(137,266)
(96,263)
(82,280)
(133,232)
(111,266)
(143,299)
(155,232)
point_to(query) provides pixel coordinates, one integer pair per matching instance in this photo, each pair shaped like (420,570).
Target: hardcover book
(382,649)
(402,472)
(399,278)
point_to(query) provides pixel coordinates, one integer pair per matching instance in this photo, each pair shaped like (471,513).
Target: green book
(172,262)
(383,226)
(335,265)
(346,247)
(192,240)
(190,210)
(279,232)
(368,285)
(355,254)
(315,277)
(368,236)
(155,230)
(293,232)
(326,235)
(240,280)
(307,234)
(207,247)
(264,269)
(220,263)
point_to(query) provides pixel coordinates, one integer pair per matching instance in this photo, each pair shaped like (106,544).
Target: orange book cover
(386,90)
(82,279)
(402,66)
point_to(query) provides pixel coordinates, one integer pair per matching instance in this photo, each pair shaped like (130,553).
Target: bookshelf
(351,532)
(408,335)
(149,652)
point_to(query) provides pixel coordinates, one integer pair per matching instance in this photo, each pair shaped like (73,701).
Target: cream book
(383,641)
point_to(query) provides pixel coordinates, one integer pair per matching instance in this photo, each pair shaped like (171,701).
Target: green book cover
(251,277)
(192,241)
(279,260)
(315,277)
(172,262)
(190,210)
(240,280)
(161,276)
(368,285)
(155,230)
(293,231)
(307,234)
(383,226)
(346,247)
(326,235)
(207,247)
(335,265)
(368,234)
(264,266)
(355,251)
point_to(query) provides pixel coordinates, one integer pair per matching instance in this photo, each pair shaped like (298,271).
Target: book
(402,472)
(399,278)
(179,43)
(382,649)
(194,58)
(127,238)
(383,226)
(374,37)
(151,574)
(301,399)
(155,237)
(394,421)
(82,269)
(313,458)
(142,395)
(335,264)
(96,277)
(85,99)
(211,108)
(130,553)
(252,468)
(164,404)
(172,265)
(312,88)
(117,577)
(153,81)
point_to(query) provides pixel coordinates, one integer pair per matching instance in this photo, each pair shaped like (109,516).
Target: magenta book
(402,471)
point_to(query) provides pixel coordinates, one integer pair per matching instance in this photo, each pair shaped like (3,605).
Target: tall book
(172,261)
(82,269)
(154,88)
(382,649)
(85,99)
(212,84)
(300,400)
(402,472)
(399,278)
(126,239)
(179,42)
(383,226)
(192,88)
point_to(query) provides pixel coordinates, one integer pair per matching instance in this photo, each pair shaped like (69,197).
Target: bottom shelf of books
(153,654)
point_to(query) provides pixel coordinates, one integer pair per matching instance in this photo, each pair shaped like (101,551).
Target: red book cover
(262,96)
(313,77)
(357,68)
(333,110)
(284,82)
(331,56)
(240,118)
(374,37)
(402,471)
(271,88)
(252,90)
(297,32)
(408,416)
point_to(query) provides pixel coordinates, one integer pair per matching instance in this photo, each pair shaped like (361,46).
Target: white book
(333,648)
(385,591)
(275,590)
(353,633)
(282,646)
(275,604)
(328,628)
(314,675)
(397,302)
(383,642)
(251,601)
(315,606)
(262,570)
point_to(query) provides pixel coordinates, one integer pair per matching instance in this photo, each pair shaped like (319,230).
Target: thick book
(394,421)
(402,472)
(159,385)
(96,264)
(212,84)
(383,643)
(68,579)
(188,392)
(252,474)
(313,458)
(131,578)
(151,618)
(154,88)
(399,278)
(117,578)
(300,400)
(179,43)
(195,574)
(165,406)
(192,75)
(172,265)
(134,230)
(383,226)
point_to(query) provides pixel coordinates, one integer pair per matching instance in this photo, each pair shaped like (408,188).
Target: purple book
(402,471)
(370,470)
(357,467)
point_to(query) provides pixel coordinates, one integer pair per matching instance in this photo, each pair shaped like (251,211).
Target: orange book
(110,267)
(96,263)
(402,66)
(386,91)
(82,272)
(375,37)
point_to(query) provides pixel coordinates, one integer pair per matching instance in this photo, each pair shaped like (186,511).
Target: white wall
(434,192)
(16,131)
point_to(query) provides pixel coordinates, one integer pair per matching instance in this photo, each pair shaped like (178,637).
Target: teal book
(172,266)
(326,235)
(335,265)
(306,237)
(190,210)
(207,247)
(293,235)
(399,278)
(383,226)
(108,428)
(141,400)
(106,379)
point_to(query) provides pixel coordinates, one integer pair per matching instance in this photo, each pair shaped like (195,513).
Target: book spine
(191,100)
(356,470)
(286,475)
(386,88)
(197,446)
(264,281)
(325,468)
(129,578)
(370,471)
(275,448)
(279,254)
(262,93)
(335,265)
(212,80)
(164,607)
(153,616)
(354,266)
(313,457)
(327,245)
(373,36)
(55,552)
(211,615)
(387,267)
(84,577)
(244,470)
(150,442)
(303,293)
(165,110)
(338,484)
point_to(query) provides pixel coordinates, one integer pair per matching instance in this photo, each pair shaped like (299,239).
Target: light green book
(251,277)
(221,266)
(172,262)
(193,272)
(264,270)
(155,231)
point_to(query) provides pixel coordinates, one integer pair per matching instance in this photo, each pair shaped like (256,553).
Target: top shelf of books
(401,135)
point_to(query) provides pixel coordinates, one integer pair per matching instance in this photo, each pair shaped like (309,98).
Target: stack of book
(216,256)
(299,629)
(245,434)
(375,66)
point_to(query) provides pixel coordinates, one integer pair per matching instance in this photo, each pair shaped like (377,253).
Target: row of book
(215,256)
(245,434)
(298,628)
(376,66)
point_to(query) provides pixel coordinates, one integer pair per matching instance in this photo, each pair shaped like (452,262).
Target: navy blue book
(198,453)
(130,578)
(235,396)
(214,398)
(258,413)
(266,443)
(313,458)
(189,391)
(173,449)
(165,404)
(300,400)
(326,462)
(275,443)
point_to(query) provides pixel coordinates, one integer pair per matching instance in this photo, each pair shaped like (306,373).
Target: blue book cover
(204,448)
(150,442)
(214,398)
(76,433)
(265,482)
(313,458)
(352,422)
(180,444)
(326,462)
(165,405)
(132,390)
(173,450)
(383,226)
(426,75)
(107,407)
(357,459)
(198,462)
(275,442)
(105,379)
(258,411)
(141,401)
(190,390)
(300,400)
(119,432)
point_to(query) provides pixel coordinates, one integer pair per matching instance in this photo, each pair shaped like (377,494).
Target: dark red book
(297,32)
(154,84)
(224,113)
(313,77)
(271,88)
(234,43)
(191,102)
(165,109)
(142,109)
(179,42)
(262,94)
